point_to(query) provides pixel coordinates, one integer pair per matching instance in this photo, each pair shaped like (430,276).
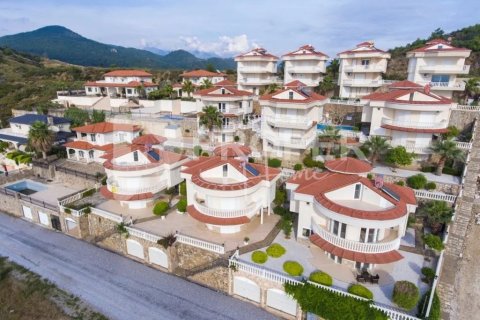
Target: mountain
(158,51)
(60,43)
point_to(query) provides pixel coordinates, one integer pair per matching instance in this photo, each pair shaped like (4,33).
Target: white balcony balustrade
(452,85)
(415,124)
(305,69)
(289,122)
(293,142)
(116,187)
(366,82)
(444,69)
(248,211)
(365,68)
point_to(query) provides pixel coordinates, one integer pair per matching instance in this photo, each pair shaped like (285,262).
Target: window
(225,170)
(92,137)
(240,105)
(343,230)
(223,90)
(440,78)
(365,62)
(81,154)
(89,89)
(335,227)
(91,154)
(290,95)
(135,156)
(221,106)
(363,233)
(129,91)
(371,235)
(306,232)
(358,189)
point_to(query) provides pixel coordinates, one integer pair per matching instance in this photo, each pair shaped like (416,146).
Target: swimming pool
(322,126)
(26,187)
(171,117)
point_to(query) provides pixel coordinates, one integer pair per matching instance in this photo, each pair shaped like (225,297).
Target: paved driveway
(114,285)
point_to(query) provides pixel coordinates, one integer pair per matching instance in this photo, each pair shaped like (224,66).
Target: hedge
(405,294)
(361,291)
(297,167)
(293,268)
(183,189)
(161,208)
(417,181)
(435,310)
(429,274)
(321,278)
(182,204)
(274,163)
(259,257)
(276,250)
(331,305)
(431,185)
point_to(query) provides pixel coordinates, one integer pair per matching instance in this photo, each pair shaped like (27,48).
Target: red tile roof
(131,84)
(258,53)
(124,197)
(306,50)
(373,258)
(107,127)
(216,92)
(417,130)
(395,93)
(201,73)
(225,83)
(295,84)
(404,84)
(348,165)
(364,47)
(150,139)
(232,150)
(82,145)
(430,46)
(128,73)
(197,215)
(309,97)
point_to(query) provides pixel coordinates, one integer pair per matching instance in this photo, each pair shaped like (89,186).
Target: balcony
(443,69)
(294,143)
(457,85)
(248,211)
(257,69)
(366,83)
(289,122)
(226,128)
(307,69)
(258,81)
(368,247)
(365,68)
(415,124)
(113,187)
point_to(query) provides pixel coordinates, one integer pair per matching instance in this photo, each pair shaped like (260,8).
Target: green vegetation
(297,167)
(188,87)
(286,224)
(405,294)
(236,138)
(210,118)
(330,305)
(376,147)
(430,185)
(167,241)
(400,183)
(435,310)
(3,146)
(77,116)
(182,204)
(276,250)
(321,278)
(429,274)
(361,291)
(19,157)
(161,208)
(293,268)
(40,138)
(197,150)
(183,189)
(417,181)
(280,197)
(399,156)
(98,116)
(369,176)
(310,163)
(329,137)
(433,241)
(274,163)
(259,257)
(437,213)
(446,150)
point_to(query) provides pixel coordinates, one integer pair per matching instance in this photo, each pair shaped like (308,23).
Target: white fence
(463,145)
(467,108)
(347,101)
(202,244)
(107,215)
(435,196)
(143,235)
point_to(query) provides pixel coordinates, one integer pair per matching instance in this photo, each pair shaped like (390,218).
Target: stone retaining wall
(215,278)
(463,120)
(441,187)
(189,257)
(99,227)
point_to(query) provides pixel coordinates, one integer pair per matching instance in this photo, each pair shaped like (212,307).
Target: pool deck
(52,192)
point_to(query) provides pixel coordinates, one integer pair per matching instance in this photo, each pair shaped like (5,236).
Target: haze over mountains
(60,43)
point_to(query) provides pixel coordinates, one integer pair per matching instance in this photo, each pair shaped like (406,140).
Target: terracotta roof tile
(149,139)
(306,50)
(257,53)
(128,73)
(309,97)
(295,84)
(131,84)
(82,145)
(225,83)
(216,92)
(348,165)
(431,43)
(232,150)
(107,127)
(197,215)
(201,73)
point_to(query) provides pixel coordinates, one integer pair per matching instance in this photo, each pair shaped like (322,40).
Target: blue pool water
(321,126)
(26,187)
(171,117)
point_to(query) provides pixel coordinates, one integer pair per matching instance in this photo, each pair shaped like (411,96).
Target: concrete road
(114,285)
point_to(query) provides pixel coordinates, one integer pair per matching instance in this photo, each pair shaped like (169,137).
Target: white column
(261,215)
(269,209)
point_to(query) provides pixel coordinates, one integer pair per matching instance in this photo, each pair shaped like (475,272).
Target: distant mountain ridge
(60,43)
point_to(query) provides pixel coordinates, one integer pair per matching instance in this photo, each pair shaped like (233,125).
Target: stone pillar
(261,215)
(269,209)
(230,281)
(263,298)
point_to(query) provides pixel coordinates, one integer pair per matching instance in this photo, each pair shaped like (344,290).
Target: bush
(451,171)
(405,294)
(369,176)
(427,169)
(182,204)
(286,225)
(361,291)
(236,138)
(429,274)
(308,162)
(417,181)
(297,167)
(433,242)
(251,160)
(259,257)
(293,268)
(280,211)
(280,196)
(161,208)
(183,189)
(321,278)
(435,310)
(276,250)
(88,193)
(197,150)
(274,163)
(400,183)
(430,185)
(205,154)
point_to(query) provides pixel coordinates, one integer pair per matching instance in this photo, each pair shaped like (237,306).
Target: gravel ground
(116,286)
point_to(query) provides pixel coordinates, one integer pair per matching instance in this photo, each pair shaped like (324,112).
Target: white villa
(408,114)
(225,191)
(122,84)
(354,220)
(361,70)
(256,69)
(306,65)
(95,140)
(136,173)
(197,77)
(437,64)
(289,121)
(234,104)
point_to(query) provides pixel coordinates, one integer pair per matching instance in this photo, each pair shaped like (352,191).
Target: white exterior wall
(256,73)
(107,138)
(307,69)
(199,80)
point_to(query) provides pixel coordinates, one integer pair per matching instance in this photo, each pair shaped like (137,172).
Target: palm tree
(437,213)
(40,138)
(326,85)
(330,135)
(188,87)
(333,68)
(206,84)
(271,88)
(377,146)
(472,88)
(210,118)
(446,150)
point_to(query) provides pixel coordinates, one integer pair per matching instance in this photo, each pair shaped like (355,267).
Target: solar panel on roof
(391,193)
(154,155)
(252,170)
(305,91)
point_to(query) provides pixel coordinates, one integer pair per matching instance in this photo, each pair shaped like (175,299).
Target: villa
(17,134)
(95,140)
(122,84)
(256,70)
(437,64)
(361,70)
(289,121)
(197,77)
(356,221)
(225,192)
(306,65)
(408,114)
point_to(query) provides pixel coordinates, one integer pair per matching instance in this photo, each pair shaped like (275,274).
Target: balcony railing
(365,68)
(256,81)
(289,122)
(453,85)
(248,211)
(112,187)
(298,143)
(366,82)
(465,69)
(225,128)
(305,70)
(415,124)
(369,247)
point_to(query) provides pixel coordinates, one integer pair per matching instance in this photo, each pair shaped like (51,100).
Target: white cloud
(224,46)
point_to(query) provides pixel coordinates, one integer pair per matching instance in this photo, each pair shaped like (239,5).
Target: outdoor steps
(153,217)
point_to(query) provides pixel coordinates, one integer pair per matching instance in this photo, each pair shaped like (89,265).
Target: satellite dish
(379,181)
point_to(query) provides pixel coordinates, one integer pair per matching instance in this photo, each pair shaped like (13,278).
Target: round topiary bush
(297,167)
(276,250)
(274,163)
(361,291)
(405,294)
(259,257)
(182,204)
(417,181)
(293,268)
(321,278)
(161,208)
(433,241)
(430,185)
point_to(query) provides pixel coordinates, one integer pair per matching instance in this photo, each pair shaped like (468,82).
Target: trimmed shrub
(276,250)
(297,167)
(88,193)
(280,211)
(431,185)
(205,154)
(435,310)
(274,163)
(405,294)
(197,150)
(321,278)
(369,176)
(182,205)
(433,242)
(310,163)
(427,169)
(451,171)
(259,257)
(236,138)
(161,208)
(400,183)
(361,291)
(280,196)
(251,160)
(429,274)
(293,268)
(286,225)
(417,181)
(183,189)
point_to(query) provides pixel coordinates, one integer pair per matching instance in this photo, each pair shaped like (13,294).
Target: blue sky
(228,27)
